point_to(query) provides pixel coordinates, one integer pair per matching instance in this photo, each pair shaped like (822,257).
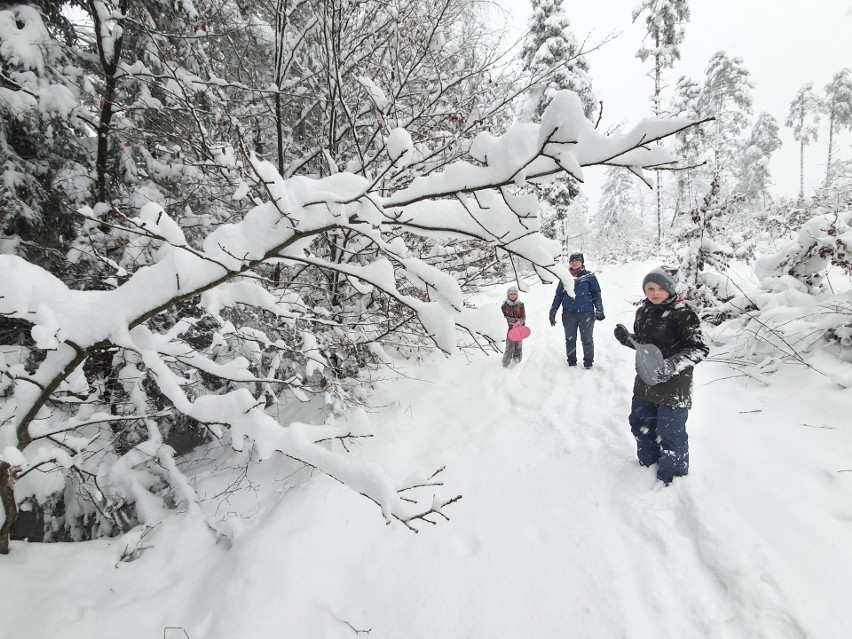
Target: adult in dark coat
(659,410)
(579,312)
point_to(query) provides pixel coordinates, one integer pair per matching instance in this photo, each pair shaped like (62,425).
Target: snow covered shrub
(802,308)
(704,259)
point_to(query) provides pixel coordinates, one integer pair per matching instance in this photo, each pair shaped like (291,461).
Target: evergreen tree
(691,145)
(702,257)
(726,95)
(619,233)
(838,106)
(804,118)
(664,21)
(552,57)
(42,154)
(553,60)
(754,161)
(556,196)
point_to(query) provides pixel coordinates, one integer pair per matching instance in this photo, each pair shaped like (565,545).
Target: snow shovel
(518,332)
(649,360)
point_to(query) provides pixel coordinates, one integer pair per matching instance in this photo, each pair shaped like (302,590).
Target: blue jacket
(587,296)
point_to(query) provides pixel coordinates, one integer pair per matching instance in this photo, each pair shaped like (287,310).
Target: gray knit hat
(512,289)
(665,277)
(576,256)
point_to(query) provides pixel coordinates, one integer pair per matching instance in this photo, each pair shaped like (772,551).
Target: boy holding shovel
(668,343)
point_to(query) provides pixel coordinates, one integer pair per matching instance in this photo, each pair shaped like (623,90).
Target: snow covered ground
(560,533)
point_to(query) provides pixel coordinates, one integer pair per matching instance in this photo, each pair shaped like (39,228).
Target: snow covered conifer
(803,118)
(726,96)
(703,258)
(619,232)
(664,20)
(692,144)
(552,56)
(554,61)
(41,151)
(754,160)
(838,107)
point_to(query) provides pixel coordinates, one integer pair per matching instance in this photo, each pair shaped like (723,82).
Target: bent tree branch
(297,211)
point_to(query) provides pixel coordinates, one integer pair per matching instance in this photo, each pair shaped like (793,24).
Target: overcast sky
(783,43)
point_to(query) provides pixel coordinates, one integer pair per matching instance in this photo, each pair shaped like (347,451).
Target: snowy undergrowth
(560,532)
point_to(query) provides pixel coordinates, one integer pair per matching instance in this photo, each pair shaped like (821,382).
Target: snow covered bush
(704,258)
(801,310)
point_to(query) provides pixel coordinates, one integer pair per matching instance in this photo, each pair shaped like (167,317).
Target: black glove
(622,334)
(600,317)
(553,319)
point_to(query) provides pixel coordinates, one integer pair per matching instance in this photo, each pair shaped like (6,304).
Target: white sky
(783,43)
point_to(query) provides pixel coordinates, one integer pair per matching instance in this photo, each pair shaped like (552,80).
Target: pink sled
(517,333)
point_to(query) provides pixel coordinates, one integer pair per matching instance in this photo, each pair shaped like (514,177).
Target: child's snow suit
(674,328)
(513,312)
(659,412)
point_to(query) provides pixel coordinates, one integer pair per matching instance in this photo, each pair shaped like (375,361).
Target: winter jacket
(587,296)
(674,328)
(514,312)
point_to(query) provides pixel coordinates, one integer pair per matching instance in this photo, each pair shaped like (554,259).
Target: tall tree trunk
(109,57)
(828,176)
(657,90)
(281,20)
(104,126)
(802,169)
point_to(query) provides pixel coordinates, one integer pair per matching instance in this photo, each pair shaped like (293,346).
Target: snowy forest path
(559,532)
(580,418)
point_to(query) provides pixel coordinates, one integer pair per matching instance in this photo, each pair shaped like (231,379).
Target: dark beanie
(665,277)
(576,256)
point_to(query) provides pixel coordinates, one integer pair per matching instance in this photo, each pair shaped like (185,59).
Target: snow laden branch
(50,419)
(794,313)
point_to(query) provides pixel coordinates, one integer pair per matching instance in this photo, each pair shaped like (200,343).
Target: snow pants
(514,350)
(585,322)
(661,438)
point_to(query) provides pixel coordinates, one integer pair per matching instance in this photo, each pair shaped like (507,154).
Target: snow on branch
(468,200)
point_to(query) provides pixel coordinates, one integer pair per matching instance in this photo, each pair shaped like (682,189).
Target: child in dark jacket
(659,410)
(514,312)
